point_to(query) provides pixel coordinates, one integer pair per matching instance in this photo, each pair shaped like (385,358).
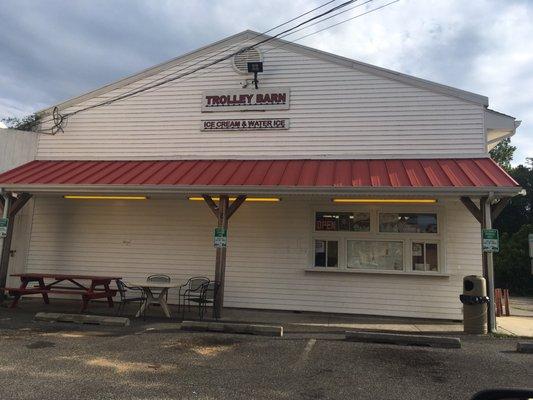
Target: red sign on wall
(246,100)
(257,124)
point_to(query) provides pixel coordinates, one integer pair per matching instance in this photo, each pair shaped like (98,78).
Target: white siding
(336,112)
(269,250)
(16,148)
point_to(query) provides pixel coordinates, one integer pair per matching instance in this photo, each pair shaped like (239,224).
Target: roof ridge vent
(242,58)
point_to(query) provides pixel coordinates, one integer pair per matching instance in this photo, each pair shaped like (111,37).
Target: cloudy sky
(54,50)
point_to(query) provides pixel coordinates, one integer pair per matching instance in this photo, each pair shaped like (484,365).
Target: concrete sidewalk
(516,326)
(520,323)
(292,322)
(521,306)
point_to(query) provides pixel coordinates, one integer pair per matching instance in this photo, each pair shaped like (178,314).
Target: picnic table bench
(98,289)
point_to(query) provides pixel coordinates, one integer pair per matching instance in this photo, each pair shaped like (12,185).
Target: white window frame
(377,239)
(339,250)
(374,235)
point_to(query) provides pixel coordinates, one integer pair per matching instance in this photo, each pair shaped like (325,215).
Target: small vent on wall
(241,60)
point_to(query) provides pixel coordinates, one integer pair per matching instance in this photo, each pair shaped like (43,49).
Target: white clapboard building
(365,188)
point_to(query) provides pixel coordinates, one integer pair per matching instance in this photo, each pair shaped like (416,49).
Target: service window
(342,221)
(408,222)
(326,253)
(425,256)
(375,254)
(379,239)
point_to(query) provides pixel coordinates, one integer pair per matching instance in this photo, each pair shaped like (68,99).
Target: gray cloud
(54,50)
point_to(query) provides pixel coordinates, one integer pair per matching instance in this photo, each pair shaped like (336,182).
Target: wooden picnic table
(98,288)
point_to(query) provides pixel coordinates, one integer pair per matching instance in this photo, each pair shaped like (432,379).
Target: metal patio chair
(123,289)
(158,278)
(208,292)
(191,290)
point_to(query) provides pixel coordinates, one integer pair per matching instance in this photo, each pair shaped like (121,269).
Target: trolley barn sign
(246,100)
(257,124)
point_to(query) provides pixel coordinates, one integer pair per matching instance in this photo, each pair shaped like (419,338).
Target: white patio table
(147,288)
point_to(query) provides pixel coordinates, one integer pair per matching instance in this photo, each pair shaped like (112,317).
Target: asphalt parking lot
(63,361)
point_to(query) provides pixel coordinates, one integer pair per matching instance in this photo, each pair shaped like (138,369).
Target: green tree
(503,153)
(512,264)
(519,211)
(27,123)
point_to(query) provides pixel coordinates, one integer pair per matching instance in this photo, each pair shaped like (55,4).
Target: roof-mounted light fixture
(90,197)
(383,201)
(255,67)
(248,199)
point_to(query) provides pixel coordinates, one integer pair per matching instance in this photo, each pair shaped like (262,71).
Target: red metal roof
(408,173)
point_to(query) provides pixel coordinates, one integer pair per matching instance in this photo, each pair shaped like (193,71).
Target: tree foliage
(28,123)
(503,153)
(519,210)
(512,266)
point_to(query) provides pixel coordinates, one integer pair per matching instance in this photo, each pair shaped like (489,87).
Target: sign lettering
(246,100)
(220,237)
(491,240)
(244,124)
(4,222)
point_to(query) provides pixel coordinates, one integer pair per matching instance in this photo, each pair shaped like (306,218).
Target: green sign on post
(3,227)
(221,237)
(491,241)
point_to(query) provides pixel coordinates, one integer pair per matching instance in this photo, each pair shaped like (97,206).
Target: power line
(300,38)
(346,20)
(143,89)
(204,67)
(58,119)
(230,47)
(331,16)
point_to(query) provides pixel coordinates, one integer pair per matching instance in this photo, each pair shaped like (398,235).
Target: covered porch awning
(463,178)
(459,176)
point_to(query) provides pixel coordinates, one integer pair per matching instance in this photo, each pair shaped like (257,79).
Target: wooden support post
(488,265)
(220,263)
(498,302)
(506,302)
(223,211)
(12,206)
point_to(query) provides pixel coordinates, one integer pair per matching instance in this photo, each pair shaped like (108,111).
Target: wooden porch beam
(211,204)
(473,208)
(477,212)
(18,203)
(499,207)
(235,205)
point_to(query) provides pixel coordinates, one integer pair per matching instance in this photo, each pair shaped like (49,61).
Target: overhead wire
(244,49)
(288,42)
(230,47)
(347,20)
(59,119)
(279,35)
(329,17)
